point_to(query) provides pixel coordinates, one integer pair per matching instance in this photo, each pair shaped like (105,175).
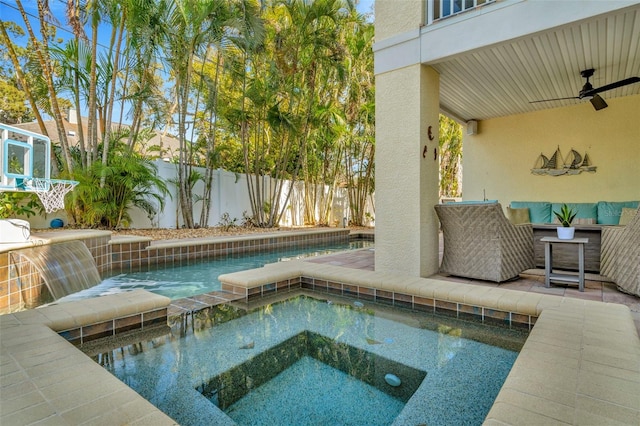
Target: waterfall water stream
(66,267)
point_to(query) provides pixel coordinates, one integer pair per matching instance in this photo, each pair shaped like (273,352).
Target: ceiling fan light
(597,102)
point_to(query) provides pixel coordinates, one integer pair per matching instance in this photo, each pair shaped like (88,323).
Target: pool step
(201,301)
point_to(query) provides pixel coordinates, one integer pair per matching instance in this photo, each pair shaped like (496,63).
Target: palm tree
(191,28)
(279,87)
(296,96)
(71,58)
(41,47)
(12,51)
(141,86)
(208,86)
(131,180)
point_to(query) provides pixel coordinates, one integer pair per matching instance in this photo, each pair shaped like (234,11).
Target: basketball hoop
(52,191)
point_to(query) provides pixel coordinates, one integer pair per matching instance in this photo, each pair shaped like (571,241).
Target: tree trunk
(41,48)
(92,113)
(109,110)
(21,78)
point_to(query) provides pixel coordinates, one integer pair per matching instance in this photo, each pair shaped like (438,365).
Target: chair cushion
(584,221)
(539,211)
(517,216)
(626,215)
(609,211)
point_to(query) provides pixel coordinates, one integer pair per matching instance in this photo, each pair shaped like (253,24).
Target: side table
(549,275)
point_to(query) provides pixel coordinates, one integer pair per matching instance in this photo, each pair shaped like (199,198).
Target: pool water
(309,361)
(323,373)
(323,385)
(201,276)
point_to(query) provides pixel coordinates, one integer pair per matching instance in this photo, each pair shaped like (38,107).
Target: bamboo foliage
(279,89)
(192,27)
(359,111)
(450,157)
(289,116)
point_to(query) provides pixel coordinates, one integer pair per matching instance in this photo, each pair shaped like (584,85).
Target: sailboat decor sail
(575,163)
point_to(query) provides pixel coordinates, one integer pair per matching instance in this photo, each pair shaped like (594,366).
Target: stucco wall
(406,171)
(398,16)
(499,158)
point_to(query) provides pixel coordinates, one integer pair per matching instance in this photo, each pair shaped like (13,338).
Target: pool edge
(579,365)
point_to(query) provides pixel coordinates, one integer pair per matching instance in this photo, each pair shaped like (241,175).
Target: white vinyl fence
(229,194)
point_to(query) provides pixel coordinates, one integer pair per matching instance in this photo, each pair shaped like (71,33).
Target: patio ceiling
(502,79)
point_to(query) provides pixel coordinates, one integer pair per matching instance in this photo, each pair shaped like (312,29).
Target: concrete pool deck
(45,380)
(580,365)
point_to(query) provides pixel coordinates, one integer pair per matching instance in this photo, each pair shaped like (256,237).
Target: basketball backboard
(24,156)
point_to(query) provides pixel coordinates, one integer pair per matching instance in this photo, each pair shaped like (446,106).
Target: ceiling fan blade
(555,99)
(598,103)
(626,81)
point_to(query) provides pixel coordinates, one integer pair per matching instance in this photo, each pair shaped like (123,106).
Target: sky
(365,6)
(9,12)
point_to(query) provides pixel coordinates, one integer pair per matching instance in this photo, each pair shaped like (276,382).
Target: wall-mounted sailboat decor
(556,165)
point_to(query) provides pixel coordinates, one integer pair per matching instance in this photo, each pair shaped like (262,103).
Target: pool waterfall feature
(65,268)
(22,287)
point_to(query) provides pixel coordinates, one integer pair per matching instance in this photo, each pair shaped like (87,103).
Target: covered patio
(488,67)
(522,77)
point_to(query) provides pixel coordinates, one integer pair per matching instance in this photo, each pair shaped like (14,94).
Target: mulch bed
(216,231)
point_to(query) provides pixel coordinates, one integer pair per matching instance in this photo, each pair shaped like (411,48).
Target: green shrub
(13,204)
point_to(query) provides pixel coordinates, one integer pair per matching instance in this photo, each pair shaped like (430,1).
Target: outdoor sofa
(620,257)
(600,213)
(589,222)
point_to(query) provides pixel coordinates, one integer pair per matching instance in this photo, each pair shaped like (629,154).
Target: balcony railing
(440,9)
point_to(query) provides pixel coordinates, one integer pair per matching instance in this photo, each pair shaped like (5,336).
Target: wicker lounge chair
(481,243)
(620,255)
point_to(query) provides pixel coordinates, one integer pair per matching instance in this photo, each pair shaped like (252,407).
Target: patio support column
(407,166)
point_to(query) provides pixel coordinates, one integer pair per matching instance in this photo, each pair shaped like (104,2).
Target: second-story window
(439,9)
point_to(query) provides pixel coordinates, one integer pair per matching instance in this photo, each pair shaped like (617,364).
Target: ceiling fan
(588,91)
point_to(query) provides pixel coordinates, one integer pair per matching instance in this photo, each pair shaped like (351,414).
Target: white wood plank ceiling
(502,79)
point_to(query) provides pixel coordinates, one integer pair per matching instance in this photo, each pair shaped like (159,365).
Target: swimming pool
(202,276)
(285,363)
